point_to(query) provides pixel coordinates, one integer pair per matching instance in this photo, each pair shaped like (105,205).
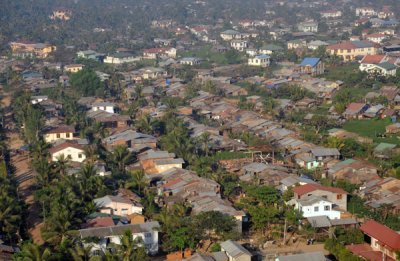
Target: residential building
(229,35)
(315,206)
(155,53)
(73,68)
(376,38)
(39,50)
(295,44)
(239,45)
(75,152)
(90,54)
(365,11)
(118,205)
(382,243)
(190,61)
(61,14)
(132,139)
(383,69)
(103,106)
(369,61)
(354,171)
(355,110)
(107,236)
(309,26)
(59,132)
(261,60)
(235,251)
(331,14)
(120,58)
(337,196)
(312,66)
(351,50)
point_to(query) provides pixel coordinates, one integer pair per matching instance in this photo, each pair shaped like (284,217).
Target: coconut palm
(205,140)
(129,248)
(82,253)
(137,181)
(120,157)
(32,252)
(62,164)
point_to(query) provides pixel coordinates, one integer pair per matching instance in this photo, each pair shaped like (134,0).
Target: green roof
(385,146)
(387,66)
(272,47)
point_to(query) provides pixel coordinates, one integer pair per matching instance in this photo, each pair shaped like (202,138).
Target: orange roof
(386,236)
(155,50)
(373,59)
(301,190)
(375,35)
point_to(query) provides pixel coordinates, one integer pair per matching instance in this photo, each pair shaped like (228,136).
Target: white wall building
(103,106)
(313,206)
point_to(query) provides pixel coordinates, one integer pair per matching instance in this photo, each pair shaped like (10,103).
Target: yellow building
(73,68)
(60,132)
(348,51)
(40,50)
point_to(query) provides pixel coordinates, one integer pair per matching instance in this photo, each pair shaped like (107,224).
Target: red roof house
(335,195)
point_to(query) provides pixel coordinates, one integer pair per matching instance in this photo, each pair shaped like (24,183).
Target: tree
(82,253)
(205,141)
(120,157)
(181,238)
(87,83)
(61,165)
(262,216)
(137,181)
(130,249)
(32,252)
(10,209)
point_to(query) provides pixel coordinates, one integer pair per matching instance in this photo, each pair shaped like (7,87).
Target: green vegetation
(207,53)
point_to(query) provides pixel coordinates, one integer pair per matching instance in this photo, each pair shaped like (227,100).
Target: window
(325,197)
(58,135)
(147,235)
(316,209)
(124,211)
(80,155)
(327,208)
(67,135)
(339,196)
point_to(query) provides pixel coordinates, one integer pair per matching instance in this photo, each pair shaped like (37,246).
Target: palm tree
(129,248)
(137,181)
(32,252)
(120,157)
(62,164)
(10,209)
(81,253)
(91,153)
(205,141)
(145,124)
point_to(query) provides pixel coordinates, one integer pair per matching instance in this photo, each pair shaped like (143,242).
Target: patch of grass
(372,129)
(206,53)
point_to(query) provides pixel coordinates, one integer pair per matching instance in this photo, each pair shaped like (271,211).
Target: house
(38,99)
(369,61)
(321,154)
(239,45)
(314,45)
(90,54)
(59,132)
(109,120)
(335,195)
(365,11)
(382,243)
(132,139)
(376,38)
(39,50)
(74,151)
(152,73)
(393,128)
(235,251)
(120,58)
(107,236)
(355,110)
(374,111)
(312,66)
(229,35)
(309,26)
(331,14)
(384,150)
(311,256)
(190,61)
(384,69)
(294,180)
(351,50)
(295,44)
(118,205)
(61,14)
(270,49)
(261,60)
(315,206)
(103,106)
(155,162)
(73,68)
(155,53)
(354,171)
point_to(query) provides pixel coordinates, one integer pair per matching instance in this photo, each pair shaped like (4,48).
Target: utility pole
(284,233)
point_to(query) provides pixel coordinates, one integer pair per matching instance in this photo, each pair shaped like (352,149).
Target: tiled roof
(301,190)
(372,59)
(65,145)
(386,236)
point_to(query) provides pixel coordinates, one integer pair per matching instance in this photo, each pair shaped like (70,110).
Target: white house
(384,69)
(39,99)
(230,35)
(365,11)
(103,106)
(239,45)
(122,57)
(146,232)
(190,61)
(376,38)
(314,206)
(309,26)
(75,152)
(261,60)
(118,205)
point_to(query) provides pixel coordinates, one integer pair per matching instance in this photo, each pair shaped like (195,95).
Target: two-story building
(118,205)
(59,132)
(315,206)
(351,50)
(73,151)
(239,45)
(261,60)
(312,66)
(336,196)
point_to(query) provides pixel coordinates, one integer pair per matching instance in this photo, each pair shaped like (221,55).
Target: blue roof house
(312,66)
